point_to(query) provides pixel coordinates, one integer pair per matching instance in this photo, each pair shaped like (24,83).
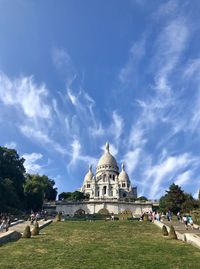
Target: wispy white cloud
(184,178)
(131,159)
(63,62)
(136,53)
(117,126)
(166,9)
(170,45)
(11,145)
(25,94)
(166,171)
(77,156)
(31,162)
(42,138)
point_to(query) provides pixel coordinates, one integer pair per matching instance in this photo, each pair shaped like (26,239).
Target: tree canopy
(177,200)
(72,196)
(38,188)
(11,179)
(18,190)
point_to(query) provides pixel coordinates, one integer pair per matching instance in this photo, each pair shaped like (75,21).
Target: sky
(75,74)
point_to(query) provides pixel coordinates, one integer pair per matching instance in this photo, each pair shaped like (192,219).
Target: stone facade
(107,190)
(108,182)
(94,207)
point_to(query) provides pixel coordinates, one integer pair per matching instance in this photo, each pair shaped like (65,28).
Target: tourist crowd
(152,216)
(37,216)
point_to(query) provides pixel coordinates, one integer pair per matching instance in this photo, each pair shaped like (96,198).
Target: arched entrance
(103,211)
(79,212)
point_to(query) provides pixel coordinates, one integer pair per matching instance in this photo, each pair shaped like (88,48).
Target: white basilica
(108,183)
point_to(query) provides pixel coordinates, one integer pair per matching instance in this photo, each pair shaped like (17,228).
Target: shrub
(145,218)
(36,229)
(58,217)
(172,233)
(164,231)
(27,232)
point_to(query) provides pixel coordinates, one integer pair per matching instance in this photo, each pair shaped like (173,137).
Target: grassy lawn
(81,245)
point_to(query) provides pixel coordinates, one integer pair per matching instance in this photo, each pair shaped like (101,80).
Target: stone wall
(9,236)
(92,207)
(190,238)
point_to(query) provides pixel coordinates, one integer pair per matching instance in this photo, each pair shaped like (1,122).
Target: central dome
(107,160)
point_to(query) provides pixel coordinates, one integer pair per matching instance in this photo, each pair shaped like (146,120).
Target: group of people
(5,222)
(186,219)
(38,215)
(152,216)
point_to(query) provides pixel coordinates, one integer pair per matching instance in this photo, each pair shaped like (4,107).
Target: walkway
(180,227)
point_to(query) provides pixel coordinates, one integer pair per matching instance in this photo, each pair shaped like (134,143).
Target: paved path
(21,226)
(180,227)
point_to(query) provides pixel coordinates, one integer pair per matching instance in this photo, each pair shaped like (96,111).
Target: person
(178,216)
(1,226)
(185,221)
(157,216)
(153,216)
(7,225)
(190,220)
(112,216)
(162,217)
(32,218)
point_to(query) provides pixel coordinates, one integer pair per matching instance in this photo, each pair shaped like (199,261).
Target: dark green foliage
(11,180)
(172,233)
(164,231)
(20,191)
(199,195)
(38,188)
(176,200)
(36,229)
(27,232)
(142,198)
(70,196)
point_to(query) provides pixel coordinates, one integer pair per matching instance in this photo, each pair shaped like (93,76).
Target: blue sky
(75,74)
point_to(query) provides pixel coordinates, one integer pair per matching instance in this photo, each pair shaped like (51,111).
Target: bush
(172,233)
(27,232)
(164,231)
(36,229)
(58,217)
(145,218)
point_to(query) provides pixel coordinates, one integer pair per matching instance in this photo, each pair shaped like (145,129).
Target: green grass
(100,244)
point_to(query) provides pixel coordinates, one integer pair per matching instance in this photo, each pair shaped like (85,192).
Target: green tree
(173,199)
(76,196)
(142,198)
(11,179)
(38,188)
(64,196)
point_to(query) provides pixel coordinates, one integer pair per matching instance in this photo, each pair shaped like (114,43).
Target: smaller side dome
(89,176)
(123,176)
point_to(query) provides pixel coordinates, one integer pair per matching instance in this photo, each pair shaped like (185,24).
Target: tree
(199,195)
(177,200)
(76,196)
(142,198)
(38,188)
(173,199)
(11,179)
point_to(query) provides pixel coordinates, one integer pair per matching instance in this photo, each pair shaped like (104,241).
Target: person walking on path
(185,221)
(178,216)
(190,220)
